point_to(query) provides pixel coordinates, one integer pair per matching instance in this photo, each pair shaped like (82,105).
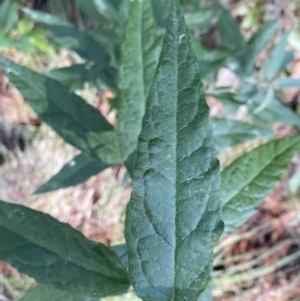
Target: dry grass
(262,259)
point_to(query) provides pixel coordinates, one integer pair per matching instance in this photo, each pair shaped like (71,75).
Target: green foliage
(229,30)
(139,55)
(249,179)
(277,61)
(230,132)
(86,268)
(226,133)
(164,136)
(255,45)
(19,33)
(73,119)
(78,170)
(98,64)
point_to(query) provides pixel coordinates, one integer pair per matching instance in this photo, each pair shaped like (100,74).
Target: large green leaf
(47,293)
(78,170)
(173,219)
(70,116)
(250,179)
(56,254)
(139,57)
(124,11)
(230,132)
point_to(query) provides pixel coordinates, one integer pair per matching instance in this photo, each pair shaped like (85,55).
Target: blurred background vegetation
(249,58)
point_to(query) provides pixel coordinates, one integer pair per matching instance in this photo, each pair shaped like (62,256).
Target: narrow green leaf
(288,57)
(262,37)
(269,98)
(285,83)
(273,63)
(161,10)
(216,55)
(9,15)
(250,179)
(56,254)
(45,19)
(4,11)
(77,75)
(275,111)
(84,45)
(89,8)
(124,11)
(70,116)
(47,293)
(67,36)
(173,218)
(139,57)
(228,98)
(106,9)
(78,170)
(230,132)
(200,17)
(256,44)
(229,30)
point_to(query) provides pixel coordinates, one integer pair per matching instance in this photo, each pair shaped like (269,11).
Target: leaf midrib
(175,162)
